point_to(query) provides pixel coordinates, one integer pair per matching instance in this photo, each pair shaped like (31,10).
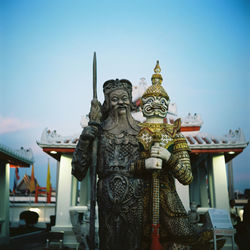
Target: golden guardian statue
(164,157)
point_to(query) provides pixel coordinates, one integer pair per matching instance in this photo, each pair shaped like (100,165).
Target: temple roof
(24,184)
(195,139)
(198,139)
(199,142)
(21,157)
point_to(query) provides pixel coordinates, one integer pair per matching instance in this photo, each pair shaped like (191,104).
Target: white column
(64,201)
(64,192)
(220,182)
(183,192)
(4,204)
(74,192)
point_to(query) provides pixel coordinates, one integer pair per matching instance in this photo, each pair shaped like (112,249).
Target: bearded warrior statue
(119,192)
(164,156)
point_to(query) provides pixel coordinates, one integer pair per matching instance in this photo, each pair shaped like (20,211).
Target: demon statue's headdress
(156,88)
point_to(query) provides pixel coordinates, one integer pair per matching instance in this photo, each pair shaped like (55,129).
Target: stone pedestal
(79,216)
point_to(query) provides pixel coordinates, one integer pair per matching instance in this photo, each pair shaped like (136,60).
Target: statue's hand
(153,163)
(95,113)
(89,132)
(160,152)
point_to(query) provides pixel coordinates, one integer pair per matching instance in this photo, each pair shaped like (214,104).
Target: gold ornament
(156,89)
(155,132)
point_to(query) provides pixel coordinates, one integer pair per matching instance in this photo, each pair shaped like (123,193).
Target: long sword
(94,78)
(93,168)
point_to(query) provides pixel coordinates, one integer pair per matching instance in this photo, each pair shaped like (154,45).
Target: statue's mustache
(119,106)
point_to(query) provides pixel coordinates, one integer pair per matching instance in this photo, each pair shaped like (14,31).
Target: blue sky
(46,50)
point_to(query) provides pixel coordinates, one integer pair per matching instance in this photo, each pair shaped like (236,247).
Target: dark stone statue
(119,192)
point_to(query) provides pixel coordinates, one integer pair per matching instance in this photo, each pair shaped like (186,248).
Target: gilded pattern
(163,133)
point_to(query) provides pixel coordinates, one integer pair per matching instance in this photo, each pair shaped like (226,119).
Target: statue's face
(155,106)
(119,101)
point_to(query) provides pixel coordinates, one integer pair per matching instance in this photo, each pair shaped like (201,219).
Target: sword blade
(94,77)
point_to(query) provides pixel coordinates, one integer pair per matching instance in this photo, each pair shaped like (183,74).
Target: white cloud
(11,124)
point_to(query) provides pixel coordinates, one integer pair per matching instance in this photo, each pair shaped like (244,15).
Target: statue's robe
(119,193)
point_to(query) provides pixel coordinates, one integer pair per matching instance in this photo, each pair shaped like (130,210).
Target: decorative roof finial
(157,68)
(157,78)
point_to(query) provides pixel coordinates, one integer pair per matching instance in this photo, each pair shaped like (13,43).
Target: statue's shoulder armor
(180,142)
(173,129)
(177,125)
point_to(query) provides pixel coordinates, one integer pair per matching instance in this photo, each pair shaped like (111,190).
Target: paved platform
(37,241)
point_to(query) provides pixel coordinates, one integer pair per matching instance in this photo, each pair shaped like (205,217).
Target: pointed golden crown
(156,89)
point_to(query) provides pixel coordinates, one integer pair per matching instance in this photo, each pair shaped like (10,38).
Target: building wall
(200,191)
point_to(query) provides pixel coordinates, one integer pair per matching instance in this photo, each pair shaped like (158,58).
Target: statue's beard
(119,116)
(119,111)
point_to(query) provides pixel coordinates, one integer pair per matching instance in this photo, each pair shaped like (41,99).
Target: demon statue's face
(154,106)
(119,101)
